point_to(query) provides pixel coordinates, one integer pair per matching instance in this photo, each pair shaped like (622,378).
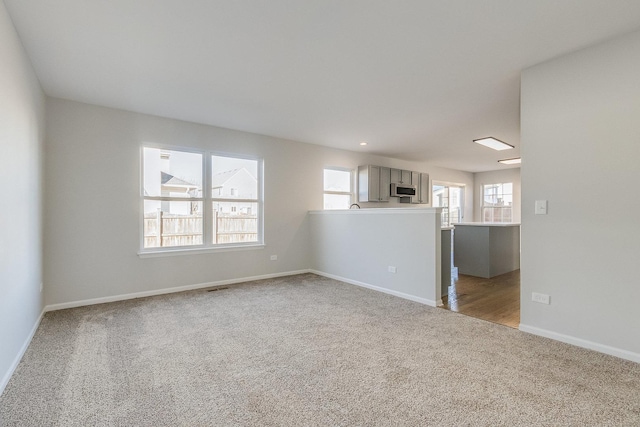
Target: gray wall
(21,135)
(93,204)
(360,246)
(581,152)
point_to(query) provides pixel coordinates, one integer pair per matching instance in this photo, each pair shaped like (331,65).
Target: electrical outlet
(392,269)
(541,298)
(274,257)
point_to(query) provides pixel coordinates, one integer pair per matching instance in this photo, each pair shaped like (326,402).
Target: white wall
(581,152)
(92,201)
(359,247)
(21,134)
(497,177)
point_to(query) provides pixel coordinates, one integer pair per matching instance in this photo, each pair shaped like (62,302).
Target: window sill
(197,251)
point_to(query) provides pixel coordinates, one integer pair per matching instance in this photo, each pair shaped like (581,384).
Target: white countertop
(488,224)
(375,211)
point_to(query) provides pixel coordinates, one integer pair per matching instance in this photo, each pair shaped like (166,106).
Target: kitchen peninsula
(486,249)
(391,250)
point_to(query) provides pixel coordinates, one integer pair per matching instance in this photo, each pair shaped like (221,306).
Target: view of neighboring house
(234,184)
(172,186)
(173,199)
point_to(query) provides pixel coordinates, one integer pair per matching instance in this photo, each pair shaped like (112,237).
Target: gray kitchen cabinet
(373,183)
(400,176)
(486,250)
(421,181)
(424,189)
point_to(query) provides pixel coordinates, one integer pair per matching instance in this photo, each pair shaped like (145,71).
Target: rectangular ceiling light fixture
(491,142)
(515,161)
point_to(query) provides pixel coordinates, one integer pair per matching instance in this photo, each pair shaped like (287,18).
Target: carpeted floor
(306,351)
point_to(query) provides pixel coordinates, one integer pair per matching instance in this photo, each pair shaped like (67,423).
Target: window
(497,202)
(235,194)
(177,213)
(337,188)
(451,199)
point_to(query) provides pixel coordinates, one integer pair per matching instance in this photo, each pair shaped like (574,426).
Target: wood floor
(496,300)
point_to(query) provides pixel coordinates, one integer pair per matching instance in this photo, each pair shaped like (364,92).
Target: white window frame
(207,200)
(501,208)
(349,193)
(446,211)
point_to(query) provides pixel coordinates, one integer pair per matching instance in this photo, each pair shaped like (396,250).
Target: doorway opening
(495,299)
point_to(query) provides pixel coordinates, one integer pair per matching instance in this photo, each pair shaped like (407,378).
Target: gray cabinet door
(415,179)
(421,180)
(424,189)
(385,184)
(405,177)
(400,176)
(373,184)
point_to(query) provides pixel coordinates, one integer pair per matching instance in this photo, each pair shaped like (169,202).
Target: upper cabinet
(373,183)
(421,181)
(400,176)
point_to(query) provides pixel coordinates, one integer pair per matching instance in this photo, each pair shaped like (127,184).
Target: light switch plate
(541,207)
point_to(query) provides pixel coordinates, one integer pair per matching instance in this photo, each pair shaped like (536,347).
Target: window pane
(490,194)
(234,178)
(171,173)
(454,215)
(172,223)
(445,217)
(497,202)
(337,201)
(235,222)
(439,196)
(487,215)
(337,180)
(455,205)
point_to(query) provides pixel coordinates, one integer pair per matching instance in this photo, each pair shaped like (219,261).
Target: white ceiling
(416,79)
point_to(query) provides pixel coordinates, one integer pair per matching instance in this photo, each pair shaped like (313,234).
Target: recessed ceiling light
(363,143)
(515,161)
(491,142)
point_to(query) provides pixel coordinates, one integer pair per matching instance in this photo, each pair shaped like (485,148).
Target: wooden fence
(162,229)
(497,214)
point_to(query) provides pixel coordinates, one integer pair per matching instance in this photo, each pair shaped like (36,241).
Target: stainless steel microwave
(403,190)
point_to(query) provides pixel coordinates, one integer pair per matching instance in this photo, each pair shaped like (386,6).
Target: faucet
(357,206)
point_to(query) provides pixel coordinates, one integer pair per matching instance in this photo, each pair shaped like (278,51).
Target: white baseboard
(16,361)
(123,297)
(612,351)
(380,289)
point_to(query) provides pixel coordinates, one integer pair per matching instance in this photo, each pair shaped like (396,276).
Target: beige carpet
(306,351)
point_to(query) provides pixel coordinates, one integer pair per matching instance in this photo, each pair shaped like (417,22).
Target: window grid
(497,202)
(178,214)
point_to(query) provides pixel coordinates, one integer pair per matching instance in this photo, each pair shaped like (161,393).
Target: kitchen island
(486,249)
